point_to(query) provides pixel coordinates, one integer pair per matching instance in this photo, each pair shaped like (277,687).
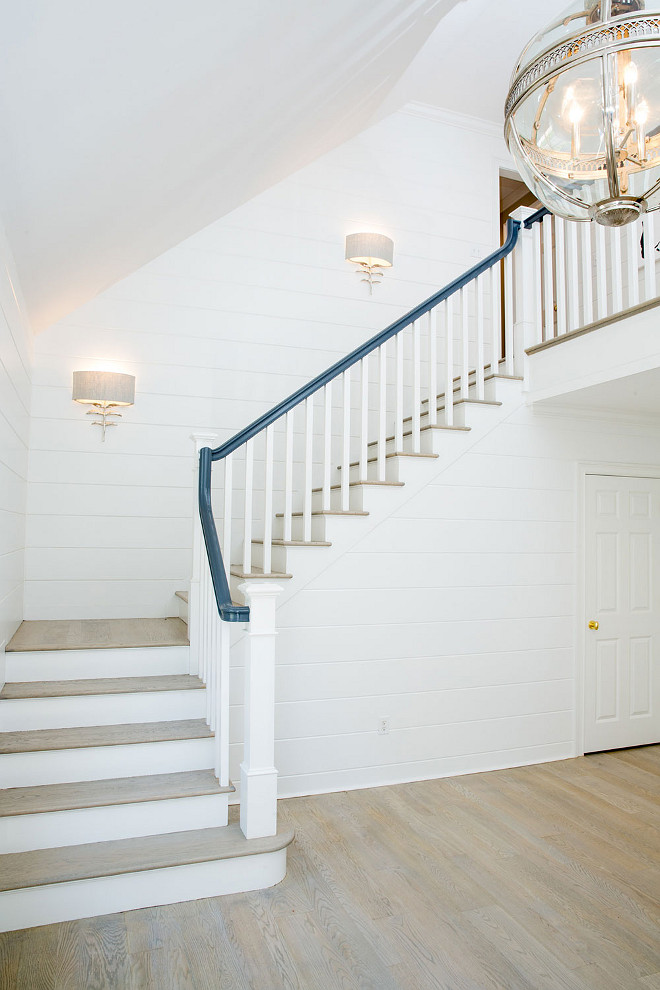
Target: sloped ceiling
(127,127)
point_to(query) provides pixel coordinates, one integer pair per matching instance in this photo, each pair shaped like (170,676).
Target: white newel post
(201,439)
(258,773)
(525,286)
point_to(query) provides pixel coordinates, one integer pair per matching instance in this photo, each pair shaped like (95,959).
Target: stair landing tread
(99,685)
(81,737)
(97,634)
(153,852)
(46,798)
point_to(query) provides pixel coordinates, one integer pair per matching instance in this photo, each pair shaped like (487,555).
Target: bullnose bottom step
(41,867)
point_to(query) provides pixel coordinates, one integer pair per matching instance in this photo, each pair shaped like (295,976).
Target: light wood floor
(539,878)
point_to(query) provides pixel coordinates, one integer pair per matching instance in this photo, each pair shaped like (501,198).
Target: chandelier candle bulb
(630,87)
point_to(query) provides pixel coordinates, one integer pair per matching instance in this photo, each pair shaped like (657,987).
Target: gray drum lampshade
(370,249)
(104,386)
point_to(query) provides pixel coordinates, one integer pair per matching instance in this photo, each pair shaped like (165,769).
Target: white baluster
(601,273)
(587,277)
(649,256)
(632,251)
(508,314)
(573,277)
(617,270)
(327,445)
(481,388)
(247,520)
(309,455)
(398,399)
(560,275)
(346,441)
(226,514)
(382,409)
(268,501)
(288,476)
(364,416)
(433,368)
(496,317)
(212,659)
(537,332)
(449,361)
(417,388)
(258,773)
(465,342)
(222,706)
(548,291)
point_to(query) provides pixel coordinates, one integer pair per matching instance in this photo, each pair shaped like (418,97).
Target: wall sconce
(372,252)
(104,390)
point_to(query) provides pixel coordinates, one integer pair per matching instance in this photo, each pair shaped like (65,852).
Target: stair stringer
(306,564)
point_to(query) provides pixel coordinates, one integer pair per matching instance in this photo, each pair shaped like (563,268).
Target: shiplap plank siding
(219,329)
(15,378)
(454,618)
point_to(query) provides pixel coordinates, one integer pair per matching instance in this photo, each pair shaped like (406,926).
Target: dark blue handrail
(241,613)
(512,231)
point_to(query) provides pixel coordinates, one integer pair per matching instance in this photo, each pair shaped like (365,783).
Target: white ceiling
(127,127)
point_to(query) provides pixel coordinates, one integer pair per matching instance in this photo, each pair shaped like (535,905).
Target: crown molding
(452,119)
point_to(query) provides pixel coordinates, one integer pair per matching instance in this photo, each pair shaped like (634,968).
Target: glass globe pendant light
(582,118)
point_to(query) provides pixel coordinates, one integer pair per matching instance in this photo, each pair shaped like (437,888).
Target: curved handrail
(241,613)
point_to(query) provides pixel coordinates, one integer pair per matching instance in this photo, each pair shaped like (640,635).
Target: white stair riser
(298,528)
(33,906)
(21,833)
(64,665)
(21,715)
(103,762)
(373,468)
(183,610)
(354,500)
(278,559)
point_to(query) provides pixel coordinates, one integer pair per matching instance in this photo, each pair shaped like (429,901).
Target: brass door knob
(593,624)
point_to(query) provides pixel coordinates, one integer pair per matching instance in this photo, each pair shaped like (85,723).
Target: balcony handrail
(228,611)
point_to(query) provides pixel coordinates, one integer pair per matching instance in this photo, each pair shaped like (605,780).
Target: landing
(98,634)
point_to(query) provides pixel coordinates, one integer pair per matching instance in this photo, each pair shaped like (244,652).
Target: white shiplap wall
(219,329)
(455,618)
(15,373)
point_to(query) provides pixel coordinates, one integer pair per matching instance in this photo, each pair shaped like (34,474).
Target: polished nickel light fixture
(582,118)
(372,253)
(104,391)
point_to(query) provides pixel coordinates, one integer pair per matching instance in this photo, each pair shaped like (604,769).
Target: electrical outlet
(383,726)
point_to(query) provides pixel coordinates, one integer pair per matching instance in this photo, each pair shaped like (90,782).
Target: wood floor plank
(536,878)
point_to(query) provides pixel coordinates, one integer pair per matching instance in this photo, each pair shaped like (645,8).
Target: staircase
(110,800)
(114,736)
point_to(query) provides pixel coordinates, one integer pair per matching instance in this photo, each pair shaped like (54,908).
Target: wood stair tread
(355,484)
(183,595)
(428,426)
(296,543)
(99,685)
(153,852)
(394,453)
(257,572)
(81,737)
(97,634)
(327,512)
(46,798)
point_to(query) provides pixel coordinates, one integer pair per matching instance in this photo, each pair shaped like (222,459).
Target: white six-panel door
(622,571)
